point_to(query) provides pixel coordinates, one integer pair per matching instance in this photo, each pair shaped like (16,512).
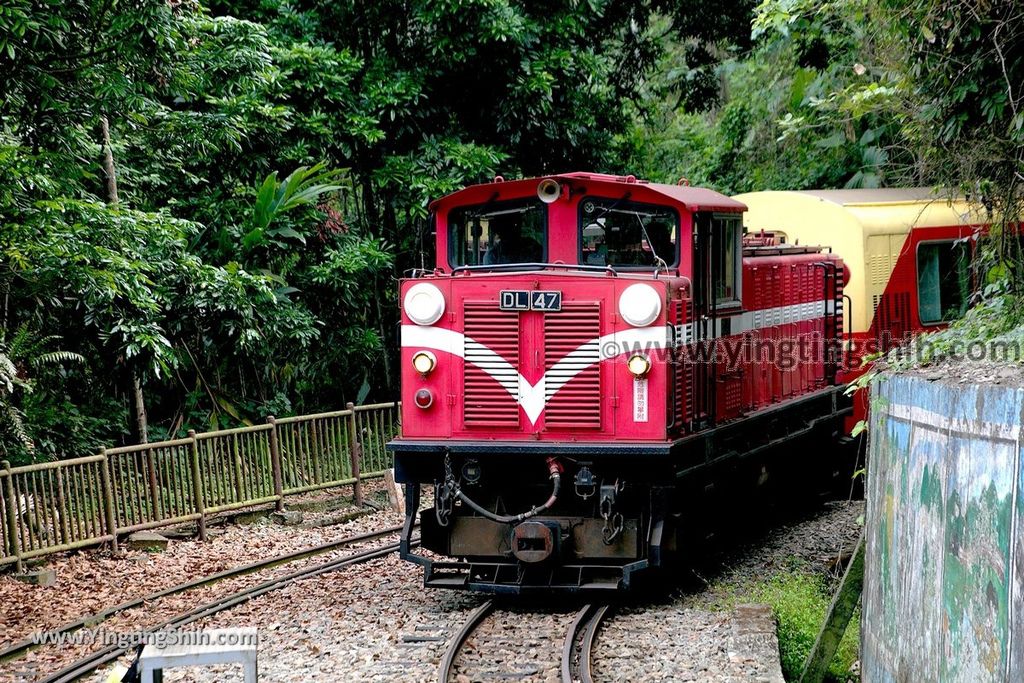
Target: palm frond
(302,186)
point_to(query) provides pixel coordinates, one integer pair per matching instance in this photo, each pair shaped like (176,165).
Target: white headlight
(639,305)
(424,362)
(424,303)
(639,365)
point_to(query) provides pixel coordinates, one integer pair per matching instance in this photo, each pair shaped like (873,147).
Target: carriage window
(943,281)
(725,259)
(497,233)
(614,232)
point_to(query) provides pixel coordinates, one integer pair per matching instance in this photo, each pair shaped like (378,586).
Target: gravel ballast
(88,582)
(376,622)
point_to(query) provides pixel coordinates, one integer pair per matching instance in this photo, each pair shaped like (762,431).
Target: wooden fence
(57,506)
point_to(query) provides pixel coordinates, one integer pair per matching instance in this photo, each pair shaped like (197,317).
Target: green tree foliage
(938,83)
(240,272)
(762,127)
(274,160)
(955,72)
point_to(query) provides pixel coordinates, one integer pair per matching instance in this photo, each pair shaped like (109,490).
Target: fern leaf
(57,358)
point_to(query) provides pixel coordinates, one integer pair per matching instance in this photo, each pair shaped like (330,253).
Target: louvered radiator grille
(892,318)
(490,383)
(573,400)
(836,330)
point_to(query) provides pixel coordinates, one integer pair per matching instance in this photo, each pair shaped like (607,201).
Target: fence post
(108,499)
(65,529)
(275,463)
(154,482)
(837,619)
(197,484)
(354,454)
(12,517)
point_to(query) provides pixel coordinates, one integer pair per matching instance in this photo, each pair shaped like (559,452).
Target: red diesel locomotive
(592,355)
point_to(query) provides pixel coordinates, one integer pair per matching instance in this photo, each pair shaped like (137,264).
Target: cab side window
(943,281)
(727,232)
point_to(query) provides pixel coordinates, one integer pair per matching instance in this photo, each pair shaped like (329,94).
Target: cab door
(717,256)
(703,360)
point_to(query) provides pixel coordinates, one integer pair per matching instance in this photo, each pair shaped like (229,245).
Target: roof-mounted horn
(548,190)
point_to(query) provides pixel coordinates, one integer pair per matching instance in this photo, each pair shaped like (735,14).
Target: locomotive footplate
(509,577)
(539,540)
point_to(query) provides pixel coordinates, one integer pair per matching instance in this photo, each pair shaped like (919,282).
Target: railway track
(512,639)
(25,646)
(109,654)
(95,660)
(579,644)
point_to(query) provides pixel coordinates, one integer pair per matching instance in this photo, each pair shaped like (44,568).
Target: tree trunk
(108,162)
(139,406)
(838,618)
(138,398)
(388,377)
(6,305)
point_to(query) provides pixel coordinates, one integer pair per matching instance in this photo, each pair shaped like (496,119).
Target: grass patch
(799,600)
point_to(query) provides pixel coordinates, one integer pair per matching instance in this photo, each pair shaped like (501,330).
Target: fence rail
(57,506)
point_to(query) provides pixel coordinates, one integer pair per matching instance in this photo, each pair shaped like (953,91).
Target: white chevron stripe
(532,397)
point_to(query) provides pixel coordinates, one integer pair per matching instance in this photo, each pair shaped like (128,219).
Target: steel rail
(97,659)
(448,660)
(583,629)
(53,636)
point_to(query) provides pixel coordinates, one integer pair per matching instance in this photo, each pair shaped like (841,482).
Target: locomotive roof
(692,198)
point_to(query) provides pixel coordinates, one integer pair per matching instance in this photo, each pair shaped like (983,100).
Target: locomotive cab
(561,378)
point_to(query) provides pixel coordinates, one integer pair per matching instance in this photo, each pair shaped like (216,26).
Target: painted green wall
(943,585)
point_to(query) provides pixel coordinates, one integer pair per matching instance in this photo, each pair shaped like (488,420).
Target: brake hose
(556,485)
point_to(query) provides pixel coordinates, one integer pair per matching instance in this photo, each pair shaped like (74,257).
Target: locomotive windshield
(614,232)
(497,233)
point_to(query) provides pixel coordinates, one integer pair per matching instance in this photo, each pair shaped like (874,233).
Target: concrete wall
(944,576)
